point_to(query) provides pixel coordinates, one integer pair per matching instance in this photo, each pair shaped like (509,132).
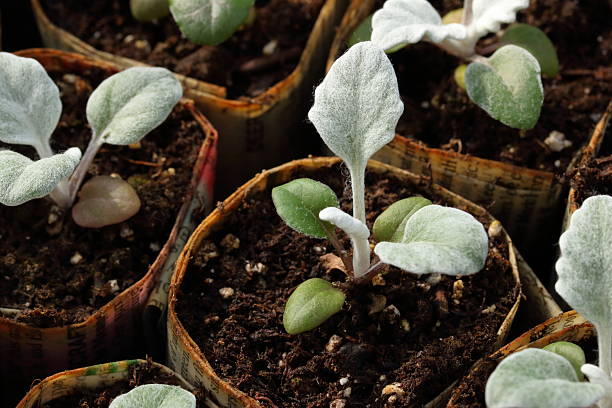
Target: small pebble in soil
(378,280)
(347,392)
(226,293)
(318,250)
(489,309)
(394,388)
(338,403)
(76,258)
(556,141)
(457,290)
(252,267)
(230,242)
(557,163)
(333,344)
(405,325)
(377,303)
(391,314)
(495,229)
(209,281)
(114,286)
(270,48)
(154,246)
(126,232)
(343,381)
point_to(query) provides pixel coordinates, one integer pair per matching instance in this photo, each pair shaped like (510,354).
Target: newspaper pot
(185,356)
(29,352)
(525,200)
(255,130)
(93,378)
(569,326)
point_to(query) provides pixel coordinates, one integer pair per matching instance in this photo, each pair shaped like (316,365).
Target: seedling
(507,84)
(155,396)
(356,109)
(537,378)
(121,111)
(206,22)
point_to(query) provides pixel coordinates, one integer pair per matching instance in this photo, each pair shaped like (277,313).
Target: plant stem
(468,13)
(370,273)
(43,150)
(604,344)
(81,170)
(361,247)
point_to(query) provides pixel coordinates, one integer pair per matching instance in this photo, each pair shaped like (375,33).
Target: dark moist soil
(438,113)
(140,374)
(60,273)
(472,386)
(238,64)
(595,176)
(422,340)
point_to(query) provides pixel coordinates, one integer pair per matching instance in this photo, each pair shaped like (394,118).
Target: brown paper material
(569,326)
(185,357)
(92,378)
(111,332)
(256,131)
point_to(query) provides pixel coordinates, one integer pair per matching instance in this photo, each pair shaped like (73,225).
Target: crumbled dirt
(471,389)
(421,340)
(238,64)
(438,113)
(37,277)
(140,374)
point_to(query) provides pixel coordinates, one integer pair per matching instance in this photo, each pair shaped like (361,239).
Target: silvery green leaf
(312,303)
(128,105)
(438,240)
(402,22)
(585,265)
(22,179)
(209,22)
(30,106)
(299,202)
(357,105)
(572,353)
(507,86)
(537,43)
(155,396)
(363,32)
(535,378)
(149,10)
(390,225)
(489,15)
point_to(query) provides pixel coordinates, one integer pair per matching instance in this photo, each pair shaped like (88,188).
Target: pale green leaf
(390,225)
(507,86)
(357,105)
(537,43)
(572,353)
(299,202)
(438,240)
(209,22)
(22,179)
(30,106)
(585,265)
(535,378)
(489,15)
(155,396)
(128,105)
(363,32)
(312,303)
(149,10)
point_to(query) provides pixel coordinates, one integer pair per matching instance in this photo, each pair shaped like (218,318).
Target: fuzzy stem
(361,256)
(361,247)
(604,345)
(370,273)
(80,172)
(43,150)
(468,13)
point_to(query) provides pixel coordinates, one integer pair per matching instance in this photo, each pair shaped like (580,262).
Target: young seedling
(537,378)
(356,109)
(507,84)
(121,111)
(206,22)
(155,396)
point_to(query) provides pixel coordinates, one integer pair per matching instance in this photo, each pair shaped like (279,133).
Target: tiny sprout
(356,109)
(121,111)
(155,396)
(149,10)
(506,85)
(538,378)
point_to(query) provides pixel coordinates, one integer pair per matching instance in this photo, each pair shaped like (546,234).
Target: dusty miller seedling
(155,396)
(356,109)
(206,22)
(506,85)
(121,111)
(536,378)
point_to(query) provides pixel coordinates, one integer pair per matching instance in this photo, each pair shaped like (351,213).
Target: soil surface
(140,374)
(238,64)
(440,114)
(56,273)
(472,386)
(399,340)
(595,176)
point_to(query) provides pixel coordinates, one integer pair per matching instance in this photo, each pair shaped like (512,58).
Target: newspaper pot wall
(255,130)
(112,331)
(95,378)
(187,358)
(525,200)
(569,326)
